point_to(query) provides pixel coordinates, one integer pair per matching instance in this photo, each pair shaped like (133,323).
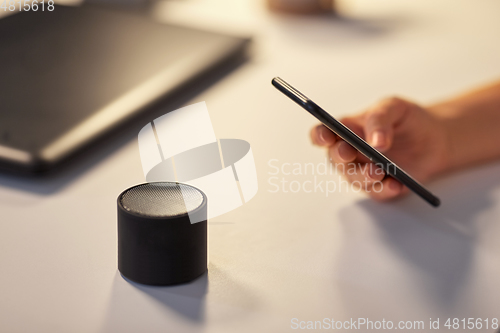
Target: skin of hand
(411,136)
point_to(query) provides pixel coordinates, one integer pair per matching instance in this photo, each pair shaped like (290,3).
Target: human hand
(409,135)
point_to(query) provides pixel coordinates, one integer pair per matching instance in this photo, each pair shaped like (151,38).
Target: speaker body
(157,242)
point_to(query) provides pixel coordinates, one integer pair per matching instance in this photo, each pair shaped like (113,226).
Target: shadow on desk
(186,299)
(408,245)
(134,307)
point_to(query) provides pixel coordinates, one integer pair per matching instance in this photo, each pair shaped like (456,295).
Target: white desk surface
(282,255)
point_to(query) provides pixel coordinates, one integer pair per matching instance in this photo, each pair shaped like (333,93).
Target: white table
(282,255)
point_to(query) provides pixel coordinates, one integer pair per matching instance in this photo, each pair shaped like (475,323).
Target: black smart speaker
(162,233)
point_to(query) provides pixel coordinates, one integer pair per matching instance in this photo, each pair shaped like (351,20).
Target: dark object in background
(157,242)
(306,7)
(71,76)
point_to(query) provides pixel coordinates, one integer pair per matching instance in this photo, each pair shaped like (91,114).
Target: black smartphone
(355,141)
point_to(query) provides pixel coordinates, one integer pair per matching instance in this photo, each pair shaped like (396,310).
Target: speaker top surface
(161,199)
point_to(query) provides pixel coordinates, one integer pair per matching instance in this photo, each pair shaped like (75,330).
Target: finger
(322,136)
(373,173)
(388,189)
(381,120)
(355,124)
(341,152)
(364,174)
(341,158)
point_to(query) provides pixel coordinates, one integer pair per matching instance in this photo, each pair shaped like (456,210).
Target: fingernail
(371,172)
(378,139)
(346,152)
(324,135)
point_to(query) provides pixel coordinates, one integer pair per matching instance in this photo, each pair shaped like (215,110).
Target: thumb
(381,120)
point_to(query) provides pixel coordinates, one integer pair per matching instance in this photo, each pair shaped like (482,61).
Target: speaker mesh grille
(161,199)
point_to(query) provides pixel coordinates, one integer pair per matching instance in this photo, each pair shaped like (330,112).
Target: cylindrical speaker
(162,233)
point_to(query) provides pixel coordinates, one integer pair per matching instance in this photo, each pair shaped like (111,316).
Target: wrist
(469,124)
(453,129)
(445,151)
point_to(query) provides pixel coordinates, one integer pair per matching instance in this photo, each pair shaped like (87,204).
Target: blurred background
(351,52)
(282,255)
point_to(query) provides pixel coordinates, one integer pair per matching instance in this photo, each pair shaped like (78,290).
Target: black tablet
(355,141)
(70,75)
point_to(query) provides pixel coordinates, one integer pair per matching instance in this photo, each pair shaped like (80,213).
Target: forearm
(472,126)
